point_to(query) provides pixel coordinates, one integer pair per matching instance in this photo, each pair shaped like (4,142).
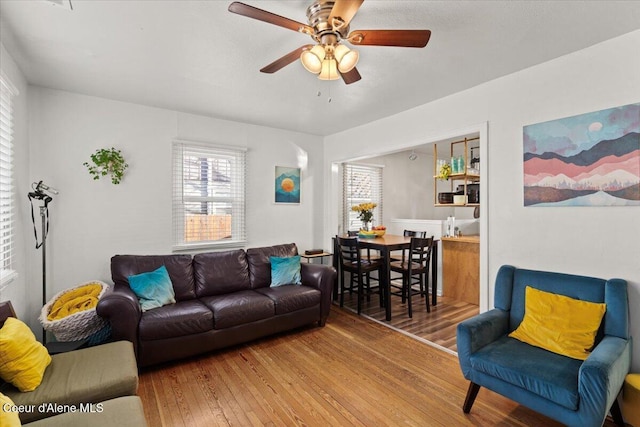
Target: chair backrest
(410,233)
(348,250)
(511,283)
(420,250)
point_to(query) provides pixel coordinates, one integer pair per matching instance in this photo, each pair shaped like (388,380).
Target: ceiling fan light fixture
(347,58)
(329,70)
(312,59)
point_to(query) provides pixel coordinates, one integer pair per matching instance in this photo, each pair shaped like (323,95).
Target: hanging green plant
(107,161)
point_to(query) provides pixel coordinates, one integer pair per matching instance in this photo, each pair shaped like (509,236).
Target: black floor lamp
(38,193)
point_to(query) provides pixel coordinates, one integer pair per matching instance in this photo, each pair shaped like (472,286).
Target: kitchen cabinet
(466,177)
(461,268)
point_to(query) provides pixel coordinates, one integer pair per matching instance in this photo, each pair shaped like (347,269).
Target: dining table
(386,244)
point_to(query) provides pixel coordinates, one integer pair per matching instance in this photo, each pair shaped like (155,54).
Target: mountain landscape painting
(287,185)
(592,159)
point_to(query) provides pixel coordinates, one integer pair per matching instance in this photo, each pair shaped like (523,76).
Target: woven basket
(76,326)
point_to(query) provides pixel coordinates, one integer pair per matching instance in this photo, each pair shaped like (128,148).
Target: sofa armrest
(323,278)
(602,374)
(120,307)
(477,332)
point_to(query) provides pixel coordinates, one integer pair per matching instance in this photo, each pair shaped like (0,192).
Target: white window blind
(208,195)
(361,184)
(7,224)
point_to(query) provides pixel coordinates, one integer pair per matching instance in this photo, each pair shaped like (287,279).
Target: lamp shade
(347,58)
(312,59)
(329,70)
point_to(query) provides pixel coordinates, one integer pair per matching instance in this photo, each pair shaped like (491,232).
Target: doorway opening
(409,171)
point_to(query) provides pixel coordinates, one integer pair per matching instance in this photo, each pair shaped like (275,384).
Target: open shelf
(464,178)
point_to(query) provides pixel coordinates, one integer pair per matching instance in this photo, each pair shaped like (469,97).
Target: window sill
(208,245)
(6,277)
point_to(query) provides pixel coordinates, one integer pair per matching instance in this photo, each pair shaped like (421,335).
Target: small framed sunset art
(287,185)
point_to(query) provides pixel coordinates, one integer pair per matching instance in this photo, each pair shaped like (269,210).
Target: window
(361,184)
(7,224)
(208,195)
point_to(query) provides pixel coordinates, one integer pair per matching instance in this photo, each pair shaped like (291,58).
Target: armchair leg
(617,414)
(472,392)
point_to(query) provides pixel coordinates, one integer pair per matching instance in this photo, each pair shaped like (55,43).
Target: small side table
(320,255)
(56,347)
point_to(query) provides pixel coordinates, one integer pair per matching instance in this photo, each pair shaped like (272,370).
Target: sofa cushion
(89,375)
(122,412)
(153,289)
(175,320)
(289,298)
(23,360)
(260,266)
(579,287)
(559,324)
(549,375)
(219,273)
(285,270)
(8,417)
(179,268)
(238,308)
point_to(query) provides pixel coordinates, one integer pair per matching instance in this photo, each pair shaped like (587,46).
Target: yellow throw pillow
(8,417)
(22,358)
(559,323)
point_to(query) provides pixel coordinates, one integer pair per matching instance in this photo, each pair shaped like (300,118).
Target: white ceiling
(196,57)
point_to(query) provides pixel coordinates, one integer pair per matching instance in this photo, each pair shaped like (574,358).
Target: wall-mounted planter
(107,161)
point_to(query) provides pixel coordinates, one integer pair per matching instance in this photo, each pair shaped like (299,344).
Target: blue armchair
(571,391)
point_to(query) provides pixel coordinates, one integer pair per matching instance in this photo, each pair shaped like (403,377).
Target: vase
(367,225)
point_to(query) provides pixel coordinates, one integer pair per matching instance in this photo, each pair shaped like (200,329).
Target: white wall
(16,290)
(94,220)
(594,241)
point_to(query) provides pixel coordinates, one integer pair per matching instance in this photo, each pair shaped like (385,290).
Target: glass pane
(207,221)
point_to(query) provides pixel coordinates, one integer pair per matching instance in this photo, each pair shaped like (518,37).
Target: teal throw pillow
(285,271)
(153,289)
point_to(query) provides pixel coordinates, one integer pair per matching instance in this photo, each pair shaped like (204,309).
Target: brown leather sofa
(222,299)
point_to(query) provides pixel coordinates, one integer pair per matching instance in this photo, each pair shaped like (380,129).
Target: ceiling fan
(328,26)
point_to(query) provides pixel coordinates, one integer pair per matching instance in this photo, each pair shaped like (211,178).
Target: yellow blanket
(79,299)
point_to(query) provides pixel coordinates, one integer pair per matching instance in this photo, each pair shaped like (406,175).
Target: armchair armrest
(602,374)
(475,333)
(323,278)
(120,307)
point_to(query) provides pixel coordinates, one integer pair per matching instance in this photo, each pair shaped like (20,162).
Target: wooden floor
(438,327)
(352,372)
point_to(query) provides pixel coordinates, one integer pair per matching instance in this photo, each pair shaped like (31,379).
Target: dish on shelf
(459,199)
(445,198)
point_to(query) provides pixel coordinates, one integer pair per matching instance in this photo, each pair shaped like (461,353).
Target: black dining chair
(407,233)
(414,267)
(352,260)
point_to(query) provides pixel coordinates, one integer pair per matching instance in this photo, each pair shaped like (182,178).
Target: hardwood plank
(352,372)
(438,327)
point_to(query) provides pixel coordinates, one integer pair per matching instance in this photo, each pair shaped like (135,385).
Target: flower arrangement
(444,172)
(365,211)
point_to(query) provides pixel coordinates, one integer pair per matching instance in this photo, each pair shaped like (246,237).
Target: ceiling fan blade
(285,60)
(351,77)
(271,18)
(344,10)
(403,38)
